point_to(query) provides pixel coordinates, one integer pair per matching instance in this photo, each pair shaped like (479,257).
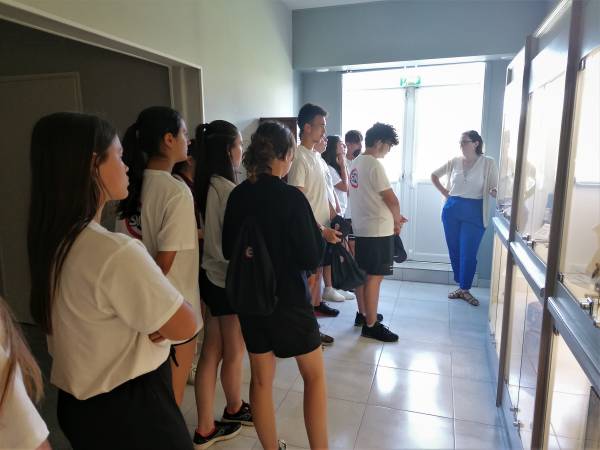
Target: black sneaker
(222,432)
(326,339)
(243,416)
(359,320)
(380,332)
(325,310)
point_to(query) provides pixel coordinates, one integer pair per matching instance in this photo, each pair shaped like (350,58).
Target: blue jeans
(463,226)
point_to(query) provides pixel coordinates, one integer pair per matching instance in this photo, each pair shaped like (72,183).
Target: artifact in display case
(580,264)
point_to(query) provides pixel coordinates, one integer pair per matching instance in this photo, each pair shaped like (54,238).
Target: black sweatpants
(140,414)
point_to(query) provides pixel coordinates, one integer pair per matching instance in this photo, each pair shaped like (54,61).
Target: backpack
(345,273)
(251,282)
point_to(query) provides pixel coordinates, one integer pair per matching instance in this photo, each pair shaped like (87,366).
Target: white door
(430,112)
(24,100)
(441,114)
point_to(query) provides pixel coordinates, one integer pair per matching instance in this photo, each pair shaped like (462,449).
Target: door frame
(185,77)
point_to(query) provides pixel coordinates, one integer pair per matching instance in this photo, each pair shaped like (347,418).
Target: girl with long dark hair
(151,148)
(102,300)
(219,152)
(295,245)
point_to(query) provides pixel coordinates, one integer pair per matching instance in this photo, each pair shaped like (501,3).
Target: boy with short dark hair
(308,174)
(375,219)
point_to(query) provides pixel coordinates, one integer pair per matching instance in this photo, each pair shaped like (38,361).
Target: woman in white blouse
(471,179)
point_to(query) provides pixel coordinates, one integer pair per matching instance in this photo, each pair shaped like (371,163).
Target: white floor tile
(412,391)
(384,428)
(346,380)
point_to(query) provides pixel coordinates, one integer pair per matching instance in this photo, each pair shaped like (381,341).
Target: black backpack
(345,273)
(251,282)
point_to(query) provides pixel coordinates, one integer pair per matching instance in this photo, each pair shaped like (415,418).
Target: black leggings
(140,414)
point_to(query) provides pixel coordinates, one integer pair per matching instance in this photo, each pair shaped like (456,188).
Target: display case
(523,353)
(510,132)
(574,406)
(547,320)
(580,262)
(497,286)
(538,173)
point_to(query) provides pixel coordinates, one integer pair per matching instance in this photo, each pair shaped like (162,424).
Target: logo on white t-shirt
(354,178)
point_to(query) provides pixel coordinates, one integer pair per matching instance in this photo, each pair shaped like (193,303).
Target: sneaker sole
(334,300)
(218,439)
(320,314)
(241,422)
(380,340)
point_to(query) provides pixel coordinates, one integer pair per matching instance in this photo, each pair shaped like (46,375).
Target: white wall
(412,30)
(244,47)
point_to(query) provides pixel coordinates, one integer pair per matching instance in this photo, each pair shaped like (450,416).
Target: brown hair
(475,137)
(270,141)
(18,356)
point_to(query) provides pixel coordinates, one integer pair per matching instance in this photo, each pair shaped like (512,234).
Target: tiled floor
(432,389)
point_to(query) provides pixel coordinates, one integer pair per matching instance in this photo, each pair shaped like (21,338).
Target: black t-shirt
(289,228)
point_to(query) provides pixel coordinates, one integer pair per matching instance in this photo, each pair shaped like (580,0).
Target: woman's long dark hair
(330,153)
(142,141)
(65,196)
(213,144)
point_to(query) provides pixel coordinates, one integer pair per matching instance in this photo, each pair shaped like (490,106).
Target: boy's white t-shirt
(169,224)
(370,215)
(21,426)
(111,296)
(328,182)
(213,261)
(308,173)
(342,196)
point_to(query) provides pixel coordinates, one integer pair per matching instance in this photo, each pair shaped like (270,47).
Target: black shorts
(139,414)
(214,296)
(292,330)
(327,256)
(375,255)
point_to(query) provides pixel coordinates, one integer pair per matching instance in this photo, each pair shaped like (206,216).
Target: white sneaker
(330,294)
(347,295)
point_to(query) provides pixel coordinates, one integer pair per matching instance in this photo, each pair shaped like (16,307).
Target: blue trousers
(463,227)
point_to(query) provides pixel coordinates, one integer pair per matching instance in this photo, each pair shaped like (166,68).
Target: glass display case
(498,283)
(539,164)
(523,353)
(510,133)
(580,264)
(573,420)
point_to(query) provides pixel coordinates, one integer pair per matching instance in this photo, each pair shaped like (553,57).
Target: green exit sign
(410,81)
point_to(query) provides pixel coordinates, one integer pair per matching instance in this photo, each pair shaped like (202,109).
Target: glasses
(464,141)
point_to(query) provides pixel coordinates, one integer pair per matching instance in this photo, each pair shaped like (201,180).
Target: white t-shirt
(466,184)
(111,296)
(21,426)
(213,260)
(341,195)
(169,224)
(329,182)
(370,215)
(308,173)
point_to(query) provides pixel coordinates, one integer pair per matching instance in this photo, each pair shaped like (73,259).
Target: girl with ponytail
(219,153)
(151,147)
(295,245)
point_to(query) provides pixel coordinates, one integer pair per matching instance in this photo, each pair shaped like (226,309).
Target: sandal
(455,294)
(466,296)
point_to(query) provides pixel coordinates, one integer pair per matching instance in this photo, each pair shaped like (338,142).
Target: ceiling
(305,4)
